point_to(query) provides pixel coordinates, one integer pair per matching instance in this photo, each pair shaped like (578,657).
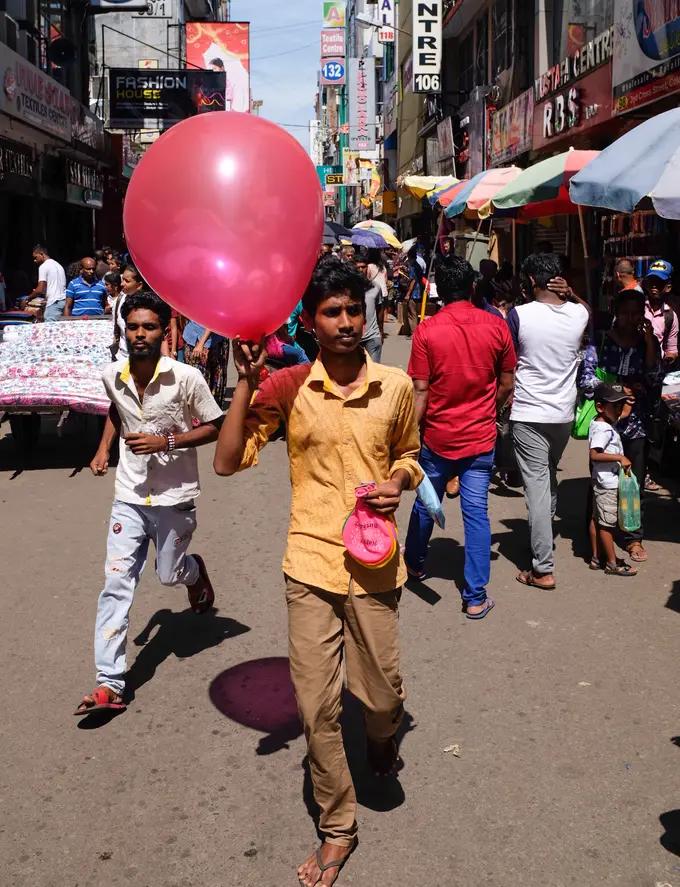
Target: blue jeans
(55,311)
(475,477)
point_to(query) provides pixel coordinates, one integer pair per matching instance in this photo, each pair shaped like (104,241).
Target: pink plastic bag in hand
(369,538)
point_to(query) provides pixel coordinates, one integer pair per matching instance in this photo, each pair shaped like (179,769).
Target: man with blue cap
(658,286)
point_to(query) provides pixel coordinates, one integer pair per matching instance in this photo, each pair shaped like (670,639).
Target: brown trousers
(323,630)
(413,315)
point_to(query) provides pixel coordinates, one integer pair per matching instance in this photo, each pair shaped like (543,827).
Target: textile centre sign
(427,46)
(563,109)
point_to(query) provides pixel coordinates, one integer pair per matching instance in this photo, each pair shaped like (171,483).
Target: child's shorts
(605,507)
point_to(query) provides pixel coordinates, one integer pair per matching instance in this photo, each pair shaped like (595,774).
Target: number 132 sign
(332,72)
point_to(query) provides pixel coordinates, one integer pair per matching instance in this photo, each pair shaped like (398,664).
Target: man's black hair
(454,278)
(147,301)
(334,277)
(113,277)
(361,255)
(542,267)
(218,62)
(39,248)
(629,296)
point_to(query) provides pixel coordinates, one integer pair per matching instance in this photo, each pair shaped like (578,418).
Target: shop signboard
(334,14)
(16,160)
(646,64)
(29,95)
(573,110)
(427,46)
(164,96)
(350,167)
(84,185)
(362,108)
(333,72)
(332,43)
(222,47)
(512,129)
(596,52)
(387,21)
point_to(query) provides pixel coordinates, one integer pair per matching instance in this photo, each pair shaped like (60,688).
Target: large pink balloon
(224,218)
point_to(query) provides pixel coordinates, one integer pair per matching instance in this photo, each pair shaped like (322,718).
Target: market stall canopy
(426,186)
(644,162)
(542,189)
(473,197)
(382,228)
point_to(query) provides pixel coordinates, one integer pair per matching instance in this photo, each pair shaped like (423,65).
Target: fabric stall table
(51,367)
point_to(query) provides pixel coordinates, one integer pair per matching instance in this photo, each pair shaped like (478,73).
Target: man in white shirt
(154,402)
(547,333)
(51,284)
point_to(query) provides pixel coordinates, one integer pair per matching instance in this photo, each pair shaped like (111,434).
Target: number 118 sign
(332,72)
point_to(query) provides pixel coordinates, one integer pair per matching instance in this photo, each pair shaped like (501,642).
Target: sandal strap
(334,863)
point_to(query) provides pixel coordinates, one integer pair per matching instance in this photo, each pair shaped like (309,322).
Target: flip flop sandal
(594,564)
(101,701)
(202,598)
(527,578)
(620,570)
(412,574)
(638,558)
(335,863)
(485,612)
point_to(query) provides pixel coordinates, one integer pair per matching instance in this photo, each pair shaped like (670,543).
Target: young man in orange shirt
(349,420)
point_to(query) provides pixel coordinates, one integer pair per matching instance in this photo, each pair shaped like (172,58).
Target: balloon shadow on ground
(259,694)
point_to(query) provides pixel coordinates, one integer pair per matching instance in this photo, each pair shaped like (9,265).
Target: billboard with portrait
(223,47)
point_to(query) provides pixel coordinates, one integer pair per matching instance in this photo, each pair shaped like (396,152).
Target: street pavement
(563,705)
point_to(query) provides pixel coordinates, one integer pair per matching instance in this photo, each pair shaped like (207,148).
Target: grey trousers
(539,447)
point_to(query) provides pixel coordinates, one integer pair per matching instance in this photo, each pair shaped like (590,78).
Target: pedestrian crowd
(496,377)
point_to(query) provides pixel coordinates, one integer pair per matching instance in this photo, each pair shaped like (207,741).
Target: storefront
(51,152)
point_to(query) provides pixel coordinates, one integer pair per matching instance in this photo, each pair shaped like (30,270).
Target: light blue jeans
(55,311)
(132,527)
(475,476)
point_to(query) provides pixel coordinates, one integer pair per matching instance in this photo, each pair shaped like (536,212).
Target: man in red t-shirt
(462,366)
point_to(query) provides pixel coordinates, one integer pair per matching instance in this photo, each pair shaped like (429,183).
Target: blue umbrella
(363,237)
(644,162)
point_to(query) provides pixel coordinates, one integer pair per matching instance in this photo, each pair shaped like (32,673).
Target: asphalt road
(564,705)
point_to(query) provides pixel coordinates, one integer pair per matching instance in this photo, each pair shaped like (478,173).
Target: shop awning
(643,162)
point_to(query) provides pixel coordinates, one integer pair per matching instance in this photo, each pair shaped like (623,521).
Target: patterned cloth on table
(56,365)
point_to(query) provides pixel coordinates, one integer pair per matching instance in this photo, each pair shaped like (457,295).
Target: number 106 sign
(332,72)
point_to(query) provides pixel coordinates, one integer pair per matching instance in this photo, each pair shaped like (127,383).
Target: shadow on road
(180,634)
(670,840)
(259,694)
(673,602)
(380,794)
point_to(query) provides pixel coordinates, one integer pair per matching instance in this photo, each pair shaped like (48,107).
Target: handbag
(629,502)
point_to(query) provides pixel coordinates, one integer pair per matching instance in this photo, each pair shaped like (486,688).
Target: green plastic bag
(585,411)
(629,502)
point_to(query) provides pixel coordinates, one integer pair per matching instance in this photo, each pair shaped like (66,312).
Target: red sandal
(103,698)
